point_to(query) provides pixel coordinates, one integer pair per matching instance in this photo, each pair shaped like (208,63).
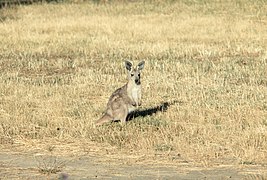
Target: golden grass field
(204,81)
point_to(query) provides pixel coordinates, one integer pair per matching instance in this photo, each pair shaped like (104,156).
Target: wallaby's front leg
(139,99)
(132,102)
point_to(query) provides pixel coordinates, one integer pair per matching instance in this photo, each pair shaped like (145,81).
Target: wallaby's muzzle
(137,81)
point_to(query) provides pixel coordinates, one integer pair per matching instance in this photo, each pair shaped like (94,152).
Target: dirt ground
(40,160)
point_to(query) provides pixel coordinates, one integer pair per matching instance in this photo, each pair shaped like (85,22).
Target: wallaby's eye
(139,75)
(132,74)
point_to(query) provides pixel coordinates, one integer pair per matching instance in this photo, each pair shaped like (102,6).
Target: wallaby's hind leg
(104,119)
(121,114)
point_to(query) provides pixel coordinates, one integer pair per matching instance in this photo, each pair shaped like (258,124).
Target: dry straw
(204,85)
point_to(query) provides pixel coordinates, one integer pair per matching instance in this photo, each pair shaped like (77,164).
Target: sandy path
(27,166)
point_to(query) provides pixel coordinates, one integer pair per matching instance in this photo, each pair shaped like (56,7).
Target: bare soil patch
(71,161)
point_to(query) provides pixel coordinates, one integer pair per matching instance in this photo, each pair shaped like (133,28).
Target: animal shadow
(163,107)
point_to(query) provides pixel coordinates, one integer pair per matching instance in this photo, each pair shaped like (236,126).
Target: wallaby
(125,99)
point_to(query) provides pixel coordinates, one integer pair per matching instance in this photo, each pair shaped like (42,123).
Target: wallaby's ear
(128,65)
(141,65)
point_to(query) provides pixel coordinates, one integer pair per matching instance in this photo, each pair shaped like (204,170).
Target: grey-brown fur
(125,99)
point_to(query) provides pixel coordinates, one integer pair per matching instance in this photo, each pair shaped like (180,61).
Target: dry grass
(204,83)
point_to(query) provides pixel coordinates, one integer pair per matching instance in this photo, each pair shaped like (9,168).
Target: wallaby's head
(134,74)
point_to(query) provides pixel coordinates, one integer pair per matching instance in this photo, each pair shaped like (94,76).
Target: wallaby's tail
(104,119)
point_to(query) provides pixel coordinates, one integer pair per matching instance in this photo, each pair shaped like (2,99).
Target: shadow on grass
(153,110)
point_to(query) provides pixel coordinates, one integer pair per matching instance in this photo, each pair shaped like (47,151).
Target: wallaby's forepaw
(136,104)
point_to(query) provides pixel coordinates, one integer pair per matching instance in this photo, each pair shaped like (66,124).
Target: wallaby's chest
(135,92)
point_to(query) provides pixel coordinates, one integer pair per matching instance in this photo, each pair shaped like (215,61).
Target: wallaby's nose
(137,81)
